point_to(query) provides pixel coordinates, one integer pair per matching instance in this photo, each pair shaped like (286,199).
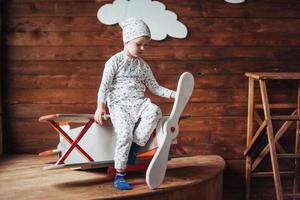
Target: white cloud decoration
(161,22)
(235,1)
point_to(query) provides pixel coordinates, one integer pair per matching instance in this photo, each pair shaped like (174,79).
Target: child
(133,116)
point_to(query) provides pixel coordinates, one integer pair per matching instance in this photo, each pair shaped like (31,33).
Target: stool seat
(274,75)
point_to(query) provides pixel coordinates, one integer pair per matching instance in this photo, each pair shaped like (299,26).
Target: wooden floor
(22,177)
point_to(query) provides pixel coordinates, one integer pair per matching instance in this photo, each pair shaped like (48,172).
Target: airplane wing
(86,165)
(102,164)
(80,118)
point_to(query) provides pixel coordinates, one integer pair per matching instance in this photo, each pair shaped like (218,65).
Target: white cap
(134,28)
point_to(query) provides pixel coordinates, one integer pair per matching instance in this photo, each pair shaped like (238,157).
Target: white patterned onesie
(134,117)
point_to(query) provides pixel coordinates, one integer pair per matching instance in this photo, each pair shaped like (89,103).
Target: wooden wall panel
(165,67)
(161,53)
(203,39)
(1,67)
(56,50)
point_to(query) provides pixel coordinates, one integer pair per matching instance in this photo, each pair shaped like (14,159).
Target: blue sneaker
(132,154)
(120,183)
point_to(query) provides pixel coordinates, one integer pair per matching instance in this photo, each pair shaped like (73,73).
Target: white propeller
(157,168)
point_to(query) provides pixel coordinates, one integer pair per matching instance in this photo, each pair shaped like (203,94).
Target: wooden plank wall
(55,51)
(1,67)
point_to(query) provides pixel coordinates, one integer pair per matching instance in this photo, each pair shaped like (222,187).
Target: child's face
(136,47)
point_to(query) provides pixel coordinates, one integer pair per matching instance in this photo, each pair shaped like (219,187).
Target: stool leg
(297,145)
(249,135)
(275,168)
(248,177)
(266,149)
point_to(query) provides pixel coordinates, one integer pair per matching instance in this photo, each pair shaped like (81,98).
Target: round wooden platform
(22,177)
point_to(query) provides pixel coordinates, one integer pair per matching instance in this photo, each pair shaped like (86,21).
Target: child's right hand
(100,114)
(173,95)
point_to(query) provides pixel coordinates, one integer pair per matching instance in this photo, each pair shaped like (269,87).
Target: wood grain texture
(227,67)
(55,52)
(1,63)
(40,53)
(186,179)
(214,25)
(66,38)
(193,9)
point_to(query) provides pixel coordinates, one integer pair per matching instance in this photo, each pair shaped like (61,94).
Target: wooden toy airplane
(95,144)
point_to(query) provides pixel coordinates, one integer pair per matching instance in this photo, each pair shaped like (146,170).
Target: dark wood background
(1,41)
(55,51)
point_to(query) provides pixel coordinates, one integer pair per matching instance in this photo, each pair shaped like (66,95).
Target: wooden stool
(273,143)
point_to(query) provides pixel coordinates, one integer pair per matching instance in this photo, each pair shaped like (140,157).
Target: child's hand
(100,112)
(173,95)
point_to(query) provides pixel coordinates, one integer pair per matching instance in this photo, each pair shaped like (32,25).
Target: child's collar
(127,57)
